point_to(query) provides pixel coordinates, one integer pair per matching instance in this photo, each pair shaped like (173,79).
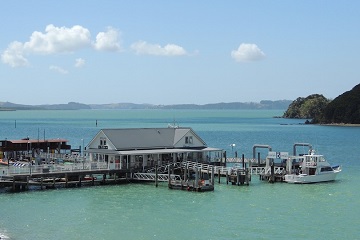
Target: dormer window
(188,140)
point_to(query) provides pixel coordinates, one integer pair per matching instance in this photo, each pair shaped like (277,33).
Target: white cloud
(58,40)
(142,47)
(79,62)
(14,56)
(247,52)
(108,41)
(58,69)
(54,40)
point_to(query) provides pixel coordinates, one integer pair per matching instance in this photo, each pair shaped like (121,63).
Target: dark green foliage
(310,107)
(343,109)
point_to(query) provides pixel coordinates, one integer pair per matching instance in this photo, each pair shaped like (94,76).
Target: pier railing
(152,177)
(53,168)
(227,170)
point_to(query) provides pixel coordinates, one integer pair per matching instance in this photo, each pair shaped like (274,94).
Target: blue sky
(173,52)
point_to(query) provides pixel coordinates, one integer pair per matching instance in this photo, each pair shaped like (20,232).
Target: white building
(142,148)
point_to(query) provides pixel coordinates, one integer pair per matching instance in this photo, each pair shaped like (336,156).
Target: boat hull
(304,178)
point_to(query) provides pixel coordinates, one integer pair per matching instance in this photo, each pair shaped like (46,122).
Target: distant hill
(265,104)
(307,108)
(69,106)
(343,109)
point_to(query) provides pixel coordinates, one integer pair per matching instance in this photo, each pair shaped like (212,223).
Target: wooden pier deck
(92,173)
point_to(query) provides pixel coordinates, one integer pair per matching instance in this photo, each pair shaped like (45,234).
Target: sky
(177,52)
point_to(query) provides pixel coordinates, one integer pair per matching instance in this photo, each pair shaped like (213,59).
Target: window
(188,140)
(102,141)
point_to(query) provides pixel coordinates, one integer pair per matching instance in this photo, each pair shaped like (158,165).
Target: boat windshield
(326,169)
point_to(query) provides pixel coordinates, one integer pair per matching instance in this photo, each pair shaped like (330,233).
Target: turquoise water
(141,211)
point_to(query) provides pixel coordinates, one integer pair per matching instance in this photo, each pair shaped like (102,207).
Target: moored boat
(313,169)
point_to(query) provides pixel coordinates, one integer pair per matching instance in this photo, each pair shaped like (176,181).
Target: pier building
(143,148)
(26,148)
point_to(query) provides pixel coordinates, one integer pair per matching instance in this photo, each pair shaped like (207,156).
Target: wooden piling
(238,177)
(219,176)
(27,182)
(212,176)
(156,176)
(104,179)
(13,187)
(272,170)
(259,164)
(227,177)
(66,180)
(243,161)
(247,176)
(169,180)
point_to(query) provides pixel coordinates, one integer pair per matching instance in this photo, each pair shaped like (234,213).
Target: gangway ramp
(152,177)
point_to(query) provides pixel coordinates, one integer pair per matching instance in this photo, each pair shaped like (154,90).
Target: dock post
(272,169)
(259,164)
(53,182)
(92,180)
(66,180)
(227,177)
(156,176)
(27,182)
(13,187)
(238,177)
(243,161)
(212,176)
(196,177)
(79,180)
(185,172)
(247,176)
(169,179)
(219,176)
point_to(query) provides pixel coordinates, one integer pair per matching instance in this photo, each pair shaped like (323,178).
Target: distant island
(344,109)
(264,104)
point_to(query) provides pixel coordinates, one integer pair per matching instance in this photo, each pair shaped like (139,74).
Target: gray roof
(146,138)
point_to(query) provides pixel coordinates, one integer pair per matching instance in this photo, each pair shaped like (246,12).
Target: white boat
(313,169)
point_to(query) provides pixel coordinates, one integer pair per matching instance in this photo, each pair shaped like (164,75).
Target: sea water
(142,211)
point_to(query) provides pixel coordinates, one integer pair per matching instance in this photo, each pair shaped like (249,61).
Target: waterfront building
(26,148)
(142,148)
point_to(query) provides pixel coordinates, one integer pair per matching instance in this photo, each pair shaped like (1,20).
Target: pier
(183,160)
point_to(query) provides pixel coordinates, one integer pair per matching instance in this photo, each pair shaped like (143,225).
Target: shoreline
(340,124)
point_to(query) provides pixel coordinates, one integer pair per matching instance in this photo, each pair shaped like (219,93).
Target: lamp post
(232,147)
